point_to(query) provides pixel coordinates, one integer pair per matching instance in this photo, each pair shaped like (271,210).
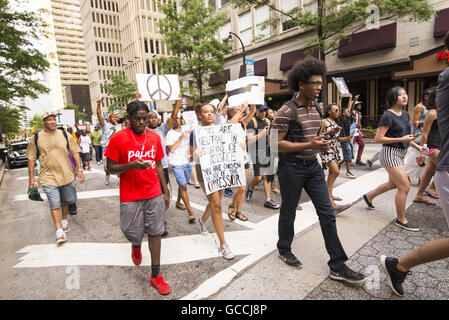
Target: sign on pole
(155,87)
(341,86)
(221,159)
(249,67)
(251,89)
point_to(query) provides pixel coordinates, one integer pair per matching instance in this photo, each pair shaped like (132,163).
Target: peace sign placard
(154,87)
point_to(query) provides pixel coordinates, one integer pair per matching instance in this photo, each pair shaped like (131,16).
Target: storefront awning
(216,79)
(370,40)
(260,68)
(288,59)
(441,26)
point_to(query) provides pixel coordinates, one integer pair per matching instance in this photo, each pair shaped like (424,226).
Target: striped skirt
(392,157)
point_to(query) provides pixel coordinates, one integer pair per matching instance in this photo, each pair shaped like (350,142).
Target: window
(148,67)
(157,47)
(151,46)
(286,6)
(93,17)
(310,5)
(262,15)
(145,44)
(212,4)
(245,28)
(224,31)
(223,2)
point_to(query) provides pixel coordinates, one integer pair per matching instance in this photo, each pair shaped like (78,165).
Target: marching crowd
(144,150)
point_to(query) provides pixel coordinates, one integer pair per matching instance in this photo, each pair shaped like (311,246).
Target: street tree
(189,31)
(121,90)
(332,21)
(10,120)
(19,61)
(36,122)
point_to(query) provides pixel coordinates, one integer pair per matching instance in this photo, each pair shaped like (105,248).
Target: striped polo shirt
(311,124)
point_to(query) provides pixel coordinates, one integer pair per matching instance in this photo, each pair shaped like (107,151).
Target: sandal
(191,218)
(431,194)
(60,236)
(231,213)
(240,216)
(181,206)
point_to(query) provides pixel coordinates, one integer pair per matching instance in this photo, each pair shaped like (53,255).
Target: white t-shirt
(180,155)
(85,143)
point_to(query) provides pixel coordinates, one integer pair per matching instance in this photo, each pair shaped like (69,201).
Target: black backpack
(293,123)
(36,135)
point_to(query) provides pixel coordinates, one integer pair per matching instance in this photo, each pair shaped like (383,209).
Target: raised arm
(175,111)
(99,114)
(250,115)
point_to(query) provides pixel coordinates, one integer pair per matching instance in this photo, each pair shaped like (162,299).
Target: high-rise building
(68,51)
(101,31)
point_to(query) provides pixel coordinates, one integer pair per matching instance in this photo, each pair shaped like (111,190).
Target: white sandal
(65,225)
(60,236)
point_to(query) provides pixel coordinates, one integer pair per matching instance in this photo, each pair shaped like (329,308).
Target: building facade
(398,53)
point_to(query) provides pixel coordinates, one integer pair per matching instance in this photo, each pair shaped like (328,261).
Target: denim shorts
(348,150)
(60,195)
(182,173)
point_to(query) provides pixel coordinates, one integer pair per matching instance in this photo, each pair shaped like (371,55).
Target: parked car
(16,154)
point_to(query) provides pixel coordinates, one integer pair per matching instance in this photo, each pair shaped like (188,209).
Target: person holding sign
(214,205)
(235,115)
(345,120)
(298,122)
(136,153)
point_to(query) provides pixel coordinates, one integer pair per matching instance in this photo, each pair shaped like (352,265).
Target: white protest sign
(341,86)
(251,89)
(191,119)
(66,117)
(158,86)
(221,160)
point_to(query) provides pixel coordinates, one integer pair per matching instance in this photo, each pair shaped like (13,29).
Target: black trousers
(293,177)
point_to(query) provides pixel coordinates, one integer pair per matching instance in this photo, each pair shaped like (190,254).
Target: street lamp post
(243,51)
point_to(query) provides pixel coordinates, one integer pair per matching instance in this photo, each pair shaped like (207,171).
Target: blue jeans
(98,153)
(293,177)
(60,195)
(182,173)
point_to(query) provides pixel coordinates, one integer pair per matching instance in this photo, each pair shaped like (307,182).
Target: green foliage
(121,90)
(10,120)
(190,35)
(19,62)
(36,122)
(78,114)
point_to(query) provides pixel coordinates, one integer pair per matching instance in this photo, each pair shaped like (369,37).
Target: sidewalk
(365,235)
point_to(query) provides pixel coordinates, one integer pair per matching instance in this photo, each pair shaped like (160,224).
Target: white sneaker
(60,236)
(203,228)
(65,225)
(226,251)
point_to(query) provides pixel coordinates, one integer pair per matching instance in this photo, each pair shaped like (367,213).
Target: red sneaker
(136,255)
(160,285)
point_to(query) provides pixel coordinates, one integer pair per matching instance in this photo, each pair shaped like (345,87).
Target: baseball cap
(49,113)
(262,107)
(113,115)
(357,102)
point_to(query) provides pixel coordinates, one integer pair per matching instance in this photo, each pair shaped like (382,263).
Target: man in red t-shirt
(135,154)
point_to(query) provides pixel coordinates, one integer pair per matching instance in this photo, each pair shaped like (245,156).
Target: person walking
(178,158)
(394,134)
(108,128)
(238,115)
(298,122)
(396,269)
(345,121)
(96,141)
(85,143)
(214,200)
(419,113)
(430,137)
(51,147)
(358,136)
(331,158)
(258,147)
(136,153)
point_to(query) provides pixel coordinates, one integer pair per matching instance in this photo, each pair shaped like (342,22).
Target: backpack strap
(254,123)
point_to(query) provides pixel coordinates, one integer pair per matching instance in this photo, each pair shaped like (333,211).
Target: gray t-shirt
(108,129)
(442,101)
(162,131)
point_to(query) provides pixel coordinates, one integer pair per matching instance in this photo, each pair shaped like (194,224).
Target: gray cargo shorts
(142,216)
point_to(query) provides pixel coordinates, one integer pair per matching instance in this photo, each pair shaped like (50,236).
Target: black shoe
(164,234)
(395,278)
(271,204)
(72,209)
(369,163)
(406,226)
(348,275)
(369,204)
(291,260)
(249,194)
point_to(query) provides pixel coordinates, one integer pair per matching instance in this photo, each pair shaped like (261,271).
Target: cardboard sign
(341,86)
(65,117)
(155,87)
(221,160)
(191,119)
(251,89)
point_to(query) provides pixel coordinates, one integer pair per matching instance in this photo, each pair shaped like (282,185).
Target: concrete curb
(2,172)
